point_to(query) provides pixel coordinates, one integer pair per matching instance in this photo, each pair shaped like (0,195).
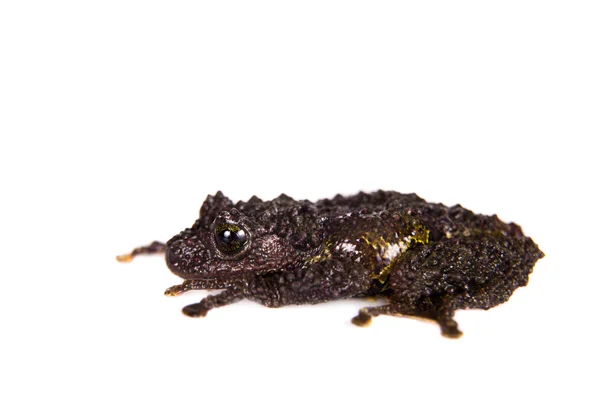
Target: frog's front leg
(153,248)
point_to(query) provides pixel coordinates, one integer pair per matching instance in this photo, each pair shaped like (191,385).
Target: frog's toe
(174,290)
(450,329)
(125,258)
(195,310)
(363,319)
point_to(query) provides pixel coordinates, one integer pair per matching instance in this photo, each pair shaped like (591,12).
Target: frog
(421,259)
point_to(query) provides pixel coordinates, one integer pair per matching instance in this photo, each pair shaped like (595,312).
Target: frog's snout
(185,255)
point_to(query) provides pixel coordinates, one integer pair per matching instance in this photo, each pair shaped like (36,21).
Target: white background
(117,118)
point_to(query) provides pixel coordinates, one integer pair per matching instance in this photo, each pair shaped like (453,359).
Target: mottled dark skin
(426,260)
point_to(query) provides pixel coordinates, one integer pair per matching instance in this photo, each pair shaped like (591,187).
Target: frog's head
(230,241)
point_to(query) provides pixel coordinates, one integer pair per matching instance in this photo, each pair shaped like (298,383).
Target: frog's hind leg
(153,248)
(467,272)
(440,311)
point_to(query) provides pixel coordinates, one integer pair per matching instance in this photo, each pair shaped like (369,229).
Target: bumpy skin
(427,260)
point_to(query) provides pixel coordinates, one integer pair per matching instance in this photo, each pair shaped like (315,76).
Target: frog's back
(440,219)
(374,202)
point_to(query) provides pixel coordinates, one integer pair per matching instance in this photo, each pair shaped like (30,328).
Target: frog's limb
(153,248)
(319,282)
(192,284)
(228,296)
(465,272)
(186,286)
(440,311)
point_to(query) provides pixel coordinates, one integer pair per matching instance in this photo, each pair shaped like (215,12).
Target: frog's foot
(153,248)
(195,310)
(365,315)
(228,296)
(363,318)
(441,311)
(189,284)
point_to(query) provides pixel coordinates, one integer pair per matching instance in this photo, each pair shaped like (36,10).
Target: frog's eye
(230,238)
